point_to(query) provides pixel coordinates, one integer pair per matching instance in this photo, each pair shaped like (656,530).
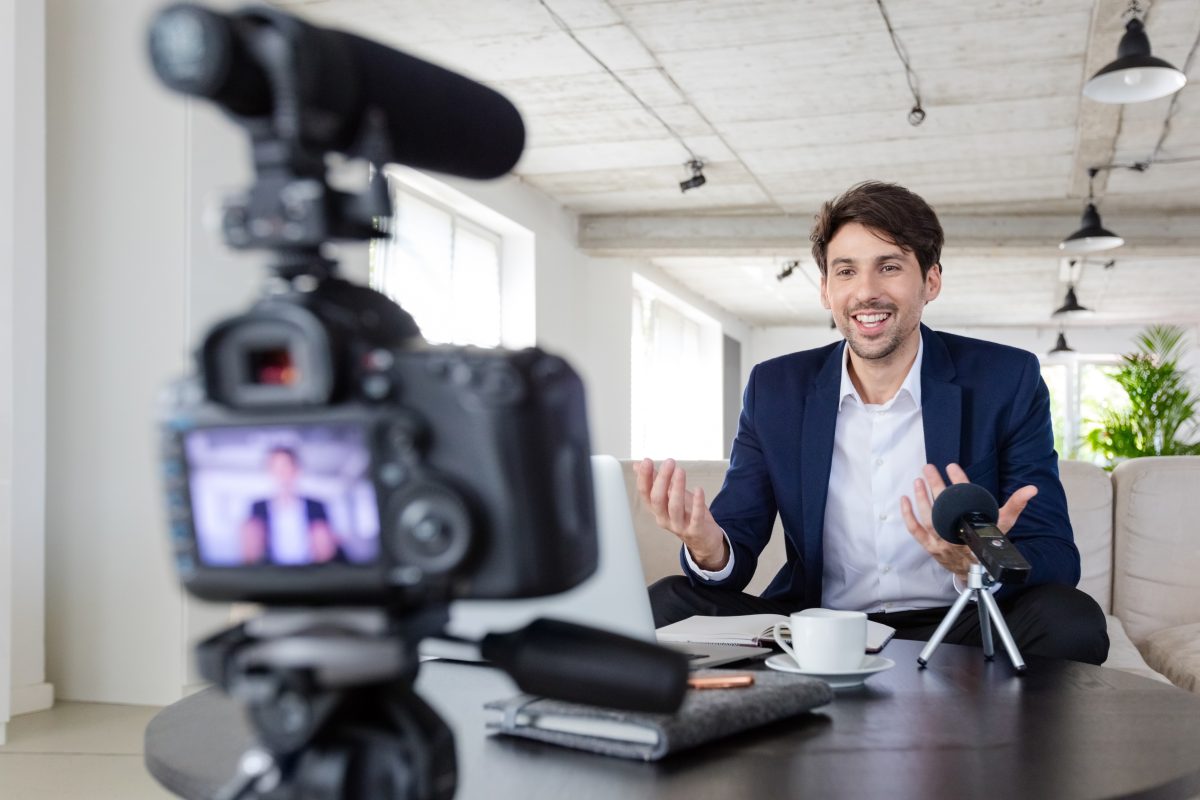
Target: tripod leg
(944,628)
(1002,628)
(985,623)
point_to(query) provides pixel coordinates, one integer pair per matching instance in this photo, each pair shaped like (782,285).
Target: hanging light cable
(917,114)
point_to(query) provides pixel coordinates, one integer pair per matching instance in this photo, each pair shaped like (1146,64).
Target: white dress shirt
(872,562)
(289,531)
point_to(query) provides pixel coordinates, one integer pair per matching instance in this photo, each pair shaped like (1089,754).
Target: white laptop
(613,598)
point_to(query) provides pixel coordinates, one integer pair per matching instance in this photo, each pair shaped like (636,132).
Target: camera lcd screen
(282,495)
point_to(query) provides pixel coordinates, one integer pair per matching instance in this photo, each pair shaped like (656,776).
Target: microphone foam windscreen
(958,500)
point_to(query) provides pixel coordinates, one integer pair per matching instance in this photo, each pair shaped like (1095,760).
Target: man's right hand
(683,512)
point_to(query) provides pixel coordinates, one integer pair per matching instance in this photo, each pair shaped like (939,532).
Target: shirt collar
(911,385)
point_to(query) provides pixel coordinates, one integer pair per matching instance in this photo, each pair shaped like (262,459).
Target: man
(833,438)
(287,529)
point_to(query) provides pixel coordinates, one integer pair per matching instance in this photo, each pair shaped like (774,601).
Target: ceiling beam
(1159,235)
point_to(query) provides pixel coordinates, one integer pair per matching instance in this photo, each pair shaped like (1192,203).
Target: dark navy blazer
(984,406)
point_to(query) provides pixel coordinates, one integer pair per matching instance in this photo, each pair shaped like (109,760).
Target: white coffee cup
(825,640)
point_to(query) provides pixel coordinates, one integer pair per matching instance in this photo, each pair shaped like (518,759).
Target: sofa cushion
(1123,655)
(1175,652)
(659,549)
(1157,543)
(1090,506)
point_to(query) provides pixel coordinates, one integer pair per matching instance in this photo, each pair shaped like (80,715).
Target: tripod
(989,613)
(331,700)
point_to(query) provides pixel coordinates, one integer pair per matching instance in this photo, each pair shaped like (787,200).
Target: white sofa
(1138,533)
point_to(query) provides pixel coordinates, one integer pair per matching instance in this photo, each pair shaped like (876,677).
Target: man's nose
(867,287)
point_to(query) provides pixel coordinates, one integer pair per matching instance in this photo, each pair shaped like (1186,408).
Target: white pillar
(133,277)
(22,359)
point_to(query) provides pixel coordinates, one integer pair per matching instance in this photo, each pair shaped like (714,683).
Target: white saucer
(838,680)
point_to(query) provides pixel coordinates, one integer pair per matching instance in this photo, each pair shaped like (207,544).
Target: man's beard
(889,345)
(880,349)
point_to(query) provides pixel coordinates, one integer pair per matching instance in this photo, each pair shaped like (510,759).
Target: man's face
(875,291)
(283,469)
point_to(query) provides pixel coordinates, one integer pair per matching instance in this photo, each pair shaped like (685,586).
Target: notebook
(614,598)
(751,629)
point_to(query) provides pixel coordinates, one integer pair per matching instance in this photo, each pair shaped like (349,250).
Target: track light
(788,268)
(1061,346)
(1092,237)
(1070,303)
(1135,76)
(697,180)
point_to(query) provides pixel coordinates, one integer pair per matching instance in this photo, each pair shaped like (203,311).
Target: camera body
(325,454)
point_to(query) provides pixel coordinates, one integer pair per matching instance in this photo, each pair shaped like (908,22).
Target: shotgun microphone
(585,665)
(340,92)
(965,513)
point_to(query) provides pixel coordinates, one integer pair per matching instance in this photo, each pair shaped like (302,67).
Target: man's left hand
(957,558)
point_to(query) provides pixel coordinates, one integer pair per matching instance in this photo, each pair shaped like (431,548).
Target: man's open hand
(683,512)
(956,558)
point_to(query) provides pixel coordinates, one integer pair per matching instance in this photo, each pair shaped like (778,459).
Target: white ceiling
(789,102)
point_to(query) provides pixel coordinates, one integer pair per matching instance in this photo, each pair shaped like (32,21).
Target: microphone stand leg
(1002,628)
(985,623)
(944,628)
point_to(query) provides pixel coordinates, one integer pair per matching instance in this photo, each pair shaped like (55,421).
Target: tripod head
(329,695)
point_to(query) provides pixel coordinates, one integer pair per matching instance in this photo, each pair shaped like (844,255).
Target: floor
(78,751)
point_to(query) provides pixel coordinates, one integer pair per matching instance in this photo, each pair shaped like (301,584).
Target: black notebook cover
(706,715)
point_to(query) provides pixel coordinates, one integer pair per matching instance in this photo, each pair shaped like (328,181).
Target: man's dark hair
(285,451)
(898,215)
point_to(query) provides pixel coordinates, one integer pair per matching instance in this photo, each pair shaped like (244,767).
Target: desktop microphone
(965,513)
(585,665)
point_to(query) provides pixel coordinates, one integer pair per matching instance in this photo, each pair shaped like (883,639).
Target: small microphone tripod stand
(989,613)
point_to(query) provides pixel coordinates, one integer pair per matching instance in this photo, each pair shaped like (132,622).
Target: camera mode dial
(431,528)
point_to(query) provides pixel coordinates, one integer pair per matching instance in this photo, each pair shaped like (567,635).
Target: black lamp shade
(1092,237)
(1061,346)
(1070,304)
(1135,76)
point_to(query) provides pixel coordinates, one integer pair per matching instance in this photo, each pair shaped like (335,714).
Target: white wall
(132,276)
(584,304)
(22,360)
(8,266)
(135,278)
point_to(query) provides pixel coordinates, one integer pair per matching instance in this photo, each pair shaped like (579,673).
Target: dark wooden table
(962,728)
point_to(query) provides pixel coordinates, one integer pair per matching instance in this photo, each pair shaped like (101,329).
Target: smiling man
(850,444)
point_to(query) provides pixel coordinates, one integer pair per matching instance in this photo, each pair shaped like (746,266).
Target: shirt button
(878,462)
(883,516)
(887,568)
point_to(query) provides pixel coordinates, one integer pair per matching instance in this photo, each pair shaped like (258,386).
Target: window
(1080,390)
(676,386)
(443,268)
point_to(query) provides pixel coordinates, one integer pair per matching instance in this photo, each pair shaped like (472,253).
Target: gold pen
(720,681)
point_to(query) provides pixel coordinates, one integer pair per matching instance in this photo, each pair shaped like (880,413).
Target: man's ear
(933,282)
(824,294)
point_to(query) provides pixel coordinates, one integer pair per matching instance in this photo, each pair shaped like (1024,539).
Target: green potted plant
(1162,405)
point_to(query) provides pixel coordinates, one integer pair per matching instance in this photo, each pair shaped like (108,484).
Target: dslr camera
(326,461)
(323,453)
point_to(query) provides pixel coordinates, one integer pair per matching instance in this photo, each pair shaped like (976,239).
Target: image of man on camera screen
(260,501)
(287,528)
